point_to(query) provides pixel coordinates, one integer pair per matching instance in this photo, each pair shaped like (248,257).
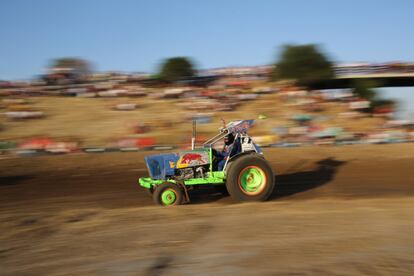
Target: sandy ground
(336,210)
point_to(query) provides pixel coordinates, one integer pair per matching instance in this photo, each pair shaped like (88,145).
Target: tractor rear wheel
(250,178)
(168,194)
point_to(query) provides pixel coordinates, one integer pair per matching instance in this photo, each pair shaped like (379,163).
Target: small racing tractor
(239,168)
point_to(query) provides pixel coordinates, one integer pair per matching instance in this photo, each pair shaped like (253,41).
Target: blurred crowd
(304,112)
(373,68)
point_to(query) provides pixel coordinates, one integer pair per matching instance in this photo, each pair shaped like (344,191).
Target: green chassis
(215,178)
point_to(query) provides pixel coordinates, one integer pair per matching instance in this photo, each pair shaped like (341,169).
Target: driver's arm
(220,154)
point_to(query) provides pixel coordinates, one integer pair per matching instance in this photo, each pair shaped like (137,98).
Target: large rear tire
(250,178)
(168,194)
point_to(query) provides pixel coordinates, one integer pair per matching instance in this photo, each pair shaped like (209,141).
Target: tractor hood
(161,165)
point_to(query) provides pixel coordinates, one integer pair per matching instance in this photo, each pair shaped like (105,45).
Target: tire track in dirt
(110,181)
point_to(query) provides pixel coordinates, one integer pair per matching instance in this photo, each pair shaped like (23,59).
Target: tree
(364,89)
(175,69)
(304,63)
(71,65)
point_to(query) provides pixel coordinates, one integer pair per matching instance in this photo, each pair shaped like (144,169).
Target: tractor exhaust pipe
(193,139)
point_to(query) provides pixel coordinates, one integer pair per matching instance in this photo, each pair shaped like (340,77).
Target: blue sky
(136,35)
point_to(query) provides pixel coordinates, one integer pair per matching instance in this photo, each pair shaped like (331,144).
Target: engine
(182,174)
(193,172)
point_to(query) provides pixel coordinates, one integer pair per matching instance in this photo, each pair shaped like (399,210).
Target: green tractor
(239,169)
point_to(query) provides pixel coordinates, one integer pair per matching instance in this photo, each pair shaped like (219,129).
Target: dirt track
(346,210)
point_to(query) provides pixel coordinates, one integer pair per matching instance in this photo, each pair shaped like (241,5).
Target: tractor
(239,168)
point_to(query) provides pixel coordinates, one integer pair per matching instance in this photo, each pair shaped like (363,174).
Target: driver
(229,147)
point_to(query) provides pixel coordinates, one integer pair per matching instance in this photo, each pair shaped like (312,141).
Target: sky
(135,36)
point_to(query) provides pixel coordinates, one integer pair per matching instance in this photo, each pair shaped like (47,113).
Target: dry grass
(93,121)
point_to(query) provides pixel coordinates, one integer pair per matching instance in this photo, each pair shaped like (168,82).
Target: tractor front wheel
(167,194)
